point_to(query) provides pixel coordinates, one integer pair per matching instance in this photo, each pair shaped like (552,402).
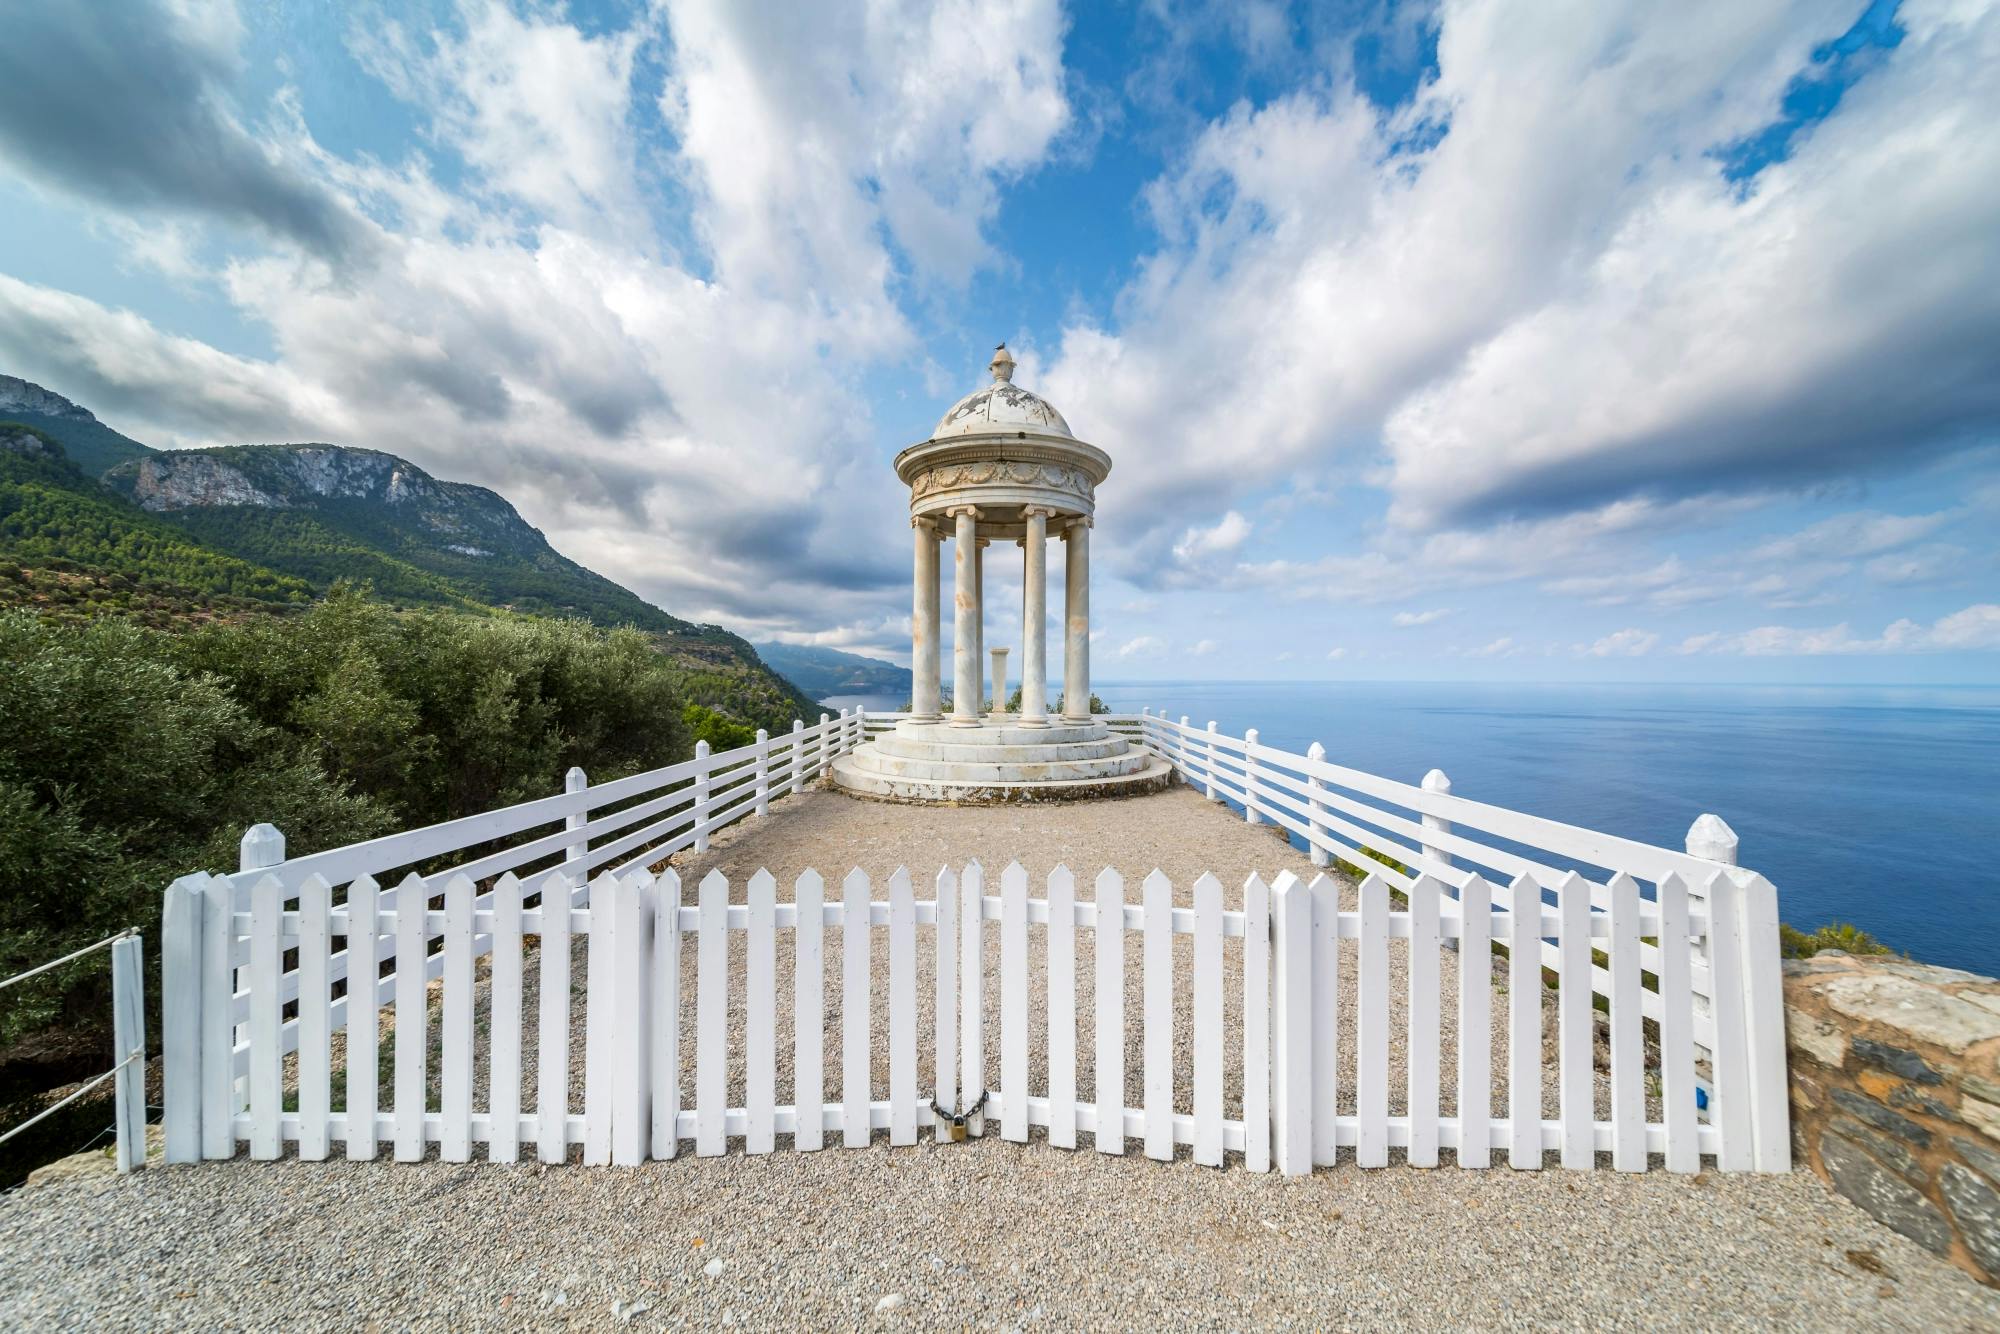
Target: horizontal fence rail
(659,1065)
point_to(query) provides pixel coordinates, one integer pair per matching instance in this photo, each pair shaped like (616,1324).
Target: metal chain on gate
(958,1119)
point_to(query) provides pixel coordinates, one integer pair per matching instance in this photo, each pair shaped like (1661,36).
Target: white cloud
(1975,627)
(1410,618)
(811,135)
(1627,643)
(1336,654)
(1919,565)
(1202,648)
(537,108)
(1145,646)
(522,324)
(1849,536)
(1503,647)
(1227,534)
(1558,300)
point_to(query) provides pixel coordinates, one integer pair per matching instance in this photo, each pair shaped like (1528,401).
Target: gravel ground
(988,1233)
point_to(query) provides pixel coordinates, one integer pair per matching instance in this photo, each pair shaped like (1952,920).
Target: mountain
(324,512)
(71,547)
(176,535)
(821,672)
(91,445)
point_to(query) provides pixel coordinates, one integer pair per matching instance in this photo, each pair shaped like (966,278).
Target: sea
(1876,805)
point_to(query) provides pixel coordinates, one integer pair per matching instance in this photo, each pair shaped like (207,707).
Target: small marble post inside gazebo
(1002,466)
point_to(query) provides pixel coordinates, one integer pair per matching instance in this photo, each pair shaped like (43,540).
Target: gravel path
(988,1233)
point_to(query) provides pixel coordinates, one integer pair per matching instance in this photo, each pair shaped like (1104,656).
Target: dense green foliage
(130,756)
(314,552)
(119,558)
(119,770)
(720,732)
(437,715)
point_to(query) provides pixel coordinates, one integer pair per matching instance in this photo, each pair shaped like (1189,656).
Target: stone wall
(1895,1087)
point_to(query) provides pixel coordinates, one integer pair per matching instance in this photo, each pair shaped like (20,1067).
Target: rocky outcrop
(28,444)
(283,476)
(186,480)
(18,395)
(1895,1086)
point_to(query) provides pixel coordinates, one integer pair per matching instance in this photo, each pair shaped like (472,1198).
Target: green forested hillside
(69,547)
(328,512)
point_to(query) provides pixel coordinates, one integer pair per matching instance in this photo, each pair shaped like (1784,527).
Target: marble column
(979,612)
(1034,618)
(925,694)
(1076,612)
(965,625)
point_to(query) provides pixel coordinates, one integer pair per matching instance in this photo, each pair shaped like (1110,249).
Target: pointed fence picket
(1288,943)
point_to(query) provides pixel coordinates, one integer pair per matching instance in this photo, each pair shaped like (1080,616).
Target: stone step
(1016,769)
(988,753)
(1006,732)
(1155,777)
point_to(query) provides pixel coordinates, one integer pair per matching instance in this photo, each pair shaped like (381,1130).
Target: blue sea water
(1873,805)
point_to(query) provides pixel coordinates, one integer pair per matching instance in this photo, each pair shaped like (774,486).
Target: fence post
(1320,855)
(577,853)
(700,796)
(128,1026)
(1179,758)
(1250,778)
(1208,765)
(1764,1024)
(763,763)
(1435,781)
(1711,839)
(826,740)
(1291,1027)
(798,757)
(180,1018)
(262,847)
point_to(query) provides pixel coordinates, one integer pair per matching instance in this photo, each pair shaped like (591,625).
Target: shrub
(1796,944)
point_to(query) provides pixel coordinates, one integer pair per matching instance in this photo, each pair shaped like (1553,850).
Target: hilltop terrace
(838,1056)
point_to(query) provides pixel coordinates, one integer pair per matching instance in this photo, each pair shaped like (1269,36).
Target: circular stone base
(1156,776)
(999,761)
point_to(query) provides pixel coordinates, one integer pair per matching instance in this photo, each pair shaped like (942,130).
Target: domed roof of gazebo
(1001,406)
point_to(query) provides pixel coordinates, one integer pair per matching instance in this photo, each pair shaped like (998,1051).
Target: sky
(1551,341)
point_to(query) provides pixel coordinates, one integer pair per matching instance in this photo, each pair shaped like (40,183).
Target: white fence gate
(658,1070)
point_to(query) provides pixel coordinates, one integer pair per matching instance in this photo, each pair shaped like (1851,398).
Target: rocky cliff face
(18,395)
(468,520)
(189,481)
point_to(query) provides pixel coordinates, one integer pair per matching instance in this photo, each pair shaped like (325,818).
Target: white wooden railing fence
(620,826)
(1698,960)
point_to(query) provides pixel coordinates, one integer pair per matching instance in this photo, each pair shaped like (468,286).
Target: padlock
(958,1130)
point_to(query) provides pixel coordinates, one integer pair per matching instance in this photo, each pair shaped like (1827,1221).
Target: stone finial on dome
(1002,364)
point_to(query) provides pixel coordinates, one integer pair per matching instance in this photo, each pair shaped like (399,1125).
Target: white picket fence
(643,1092)
(256,988)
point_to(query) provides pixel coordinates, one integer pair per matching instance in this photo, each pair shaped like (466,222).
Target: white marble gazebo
(1002,465)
